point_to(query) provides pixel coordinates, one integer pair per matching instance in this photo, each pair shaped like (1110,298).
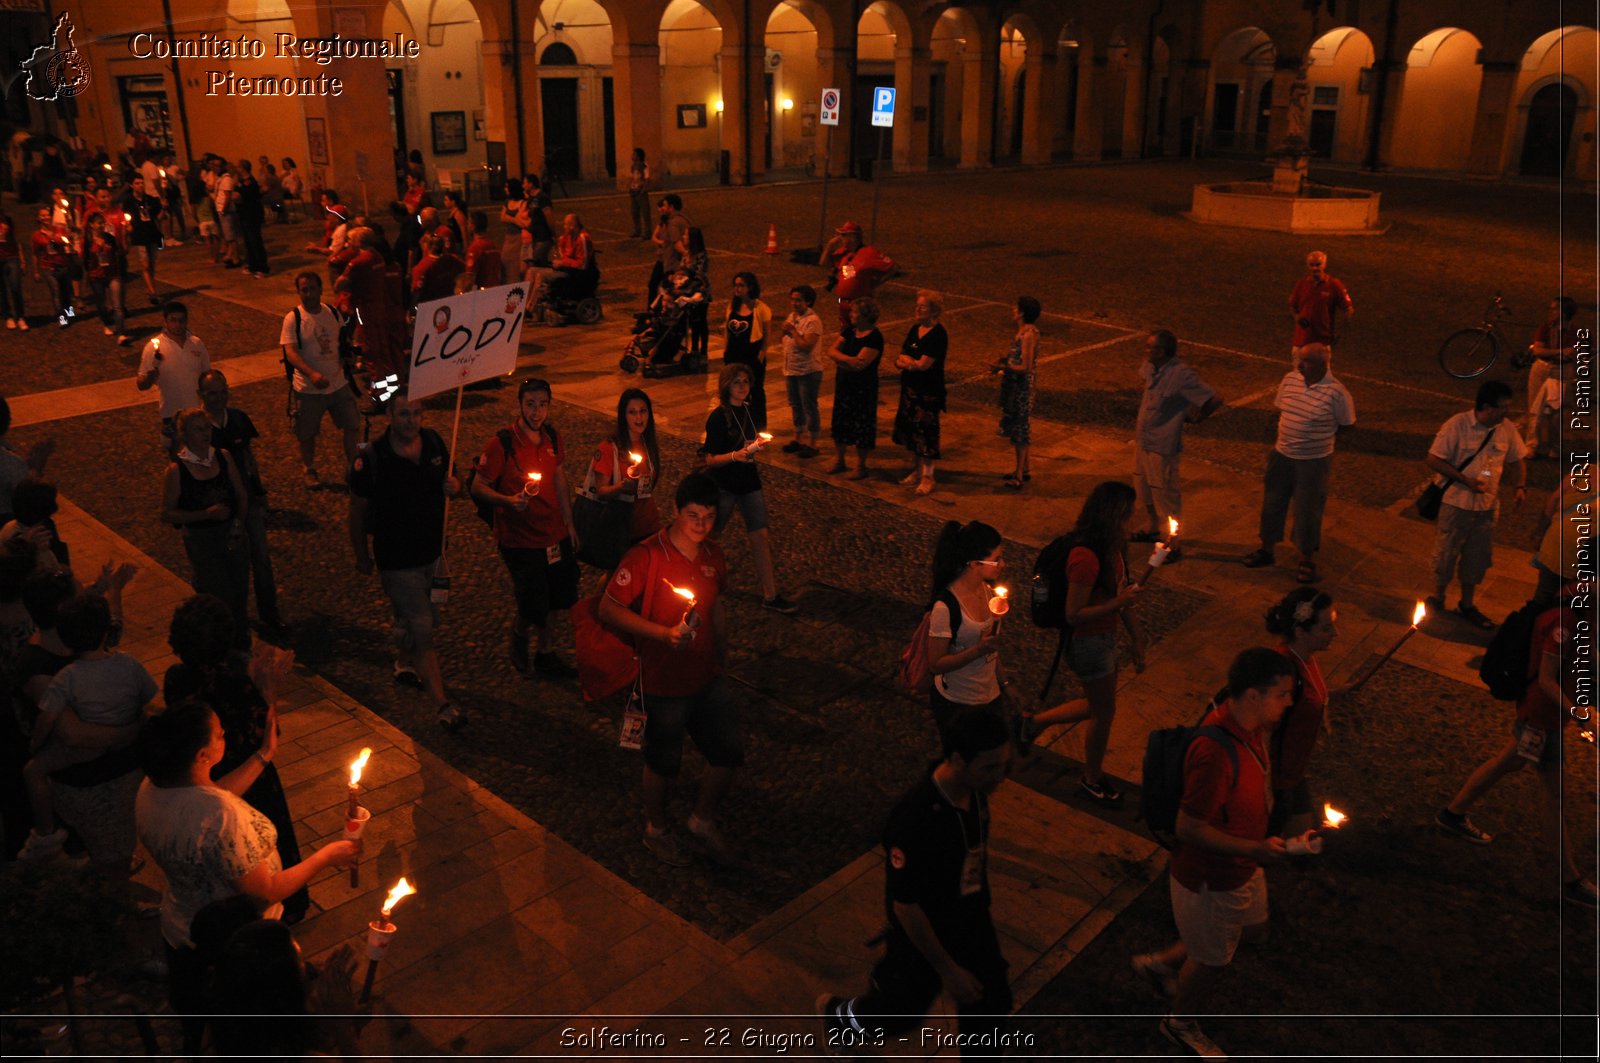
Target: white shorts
(1211,921)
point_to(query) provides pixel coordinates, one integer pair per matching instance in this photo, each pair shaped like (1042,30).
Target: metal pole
(516,82)
(177,85)
(877,183)
(822,222)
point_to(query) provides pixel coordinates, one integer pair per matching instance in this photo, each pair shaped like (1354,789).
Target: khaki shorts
(340,404)
(1211,921)
(142,257)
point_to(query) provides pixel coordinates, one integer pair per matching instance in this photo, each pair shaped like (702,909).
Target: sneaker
(1580,891)
(62,320)
(122,339)
(451,718)
(1102,792)
(106,329)
(1189,1035)
(72,312)
(313,481)
(22,324)
(664,846)
(551,666)
(780,604)
(805,451)
(712,841)
(792,447)
(828,1010)
(1163,979)
(11,323)
(407,676)
(43,846)
(1258,558)
(1461,827)
(174,243)
(519,650)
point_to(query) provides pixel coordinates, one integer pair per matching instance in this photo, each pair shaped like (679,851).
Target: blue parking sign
(883,106)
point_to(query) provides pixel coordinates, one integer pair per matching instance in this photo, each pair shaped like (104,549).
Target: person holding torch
(1174,395)
(681,655)
(1306,624)
(964,623)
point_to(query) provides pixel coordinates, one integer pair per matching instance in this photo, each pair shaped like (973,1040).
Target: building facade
(1488,88)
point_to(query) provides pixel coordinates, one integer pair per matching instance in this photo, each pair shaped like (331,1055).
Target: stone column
(1133,97)
(913,68)
(1040,104)
(1393,74)
(636,96)
(743,109)
(502,107)
(1495,106)
(977,105)
(1086,133)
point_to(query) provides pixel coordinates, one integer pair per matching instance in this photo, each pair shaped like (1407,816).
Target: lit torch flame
(1172,527)
(357,765)
(106,166)
(1332,818)
(685,593)
(635,457)
(1419,613)
(402,889)
(765,437)
(1001,592)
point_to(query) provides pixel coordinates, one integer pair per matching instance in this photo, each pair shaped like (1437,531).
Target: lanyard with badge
(974,856)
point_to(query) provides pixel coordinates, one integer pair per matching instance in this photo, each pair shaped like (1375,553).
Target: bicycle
(1470,352)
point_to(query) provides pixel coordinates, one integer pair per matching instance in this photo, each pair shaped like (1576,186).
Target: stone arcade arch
(1442,78)
(1337,125)
(569,89)
(693,111)
(1553,130)
(794,79)
(1239,99)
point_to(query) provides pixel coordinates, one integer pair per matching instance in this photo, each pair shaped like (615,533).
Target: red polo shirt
(540,524)
(641,583)
(1235,806)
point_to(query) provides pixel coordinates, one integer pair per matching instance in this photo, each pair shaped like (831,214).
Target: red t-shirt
(1237,807)
(1320,305)
(644,518)
(1083,566)
(641,583)
(50,250)
(540,525)
(1553,628)
(483,260)
(1296,735)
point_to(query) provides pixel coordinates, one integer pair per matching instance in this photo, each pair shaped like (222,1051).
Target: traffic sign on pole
(830,107)
(883,106)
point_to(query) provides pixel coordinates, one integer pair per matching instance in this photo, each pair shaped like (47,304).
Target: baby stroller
(658,340)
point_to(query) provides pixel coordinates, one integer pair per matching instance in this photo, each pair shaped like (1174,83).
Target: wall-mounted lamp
(788,104)
(717,106)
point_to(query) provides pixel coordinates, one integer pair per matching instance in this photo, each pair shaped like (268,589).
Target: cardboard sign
(465,338)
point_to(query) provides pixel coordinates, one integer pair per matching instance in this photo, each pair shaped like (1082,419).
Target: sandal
(836,468)
(1473,615)
(1013,483)
(1306,572)
(1257,558)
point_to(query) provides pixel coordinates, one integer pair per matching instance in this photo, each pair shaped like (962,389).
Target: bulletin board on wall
(449,132)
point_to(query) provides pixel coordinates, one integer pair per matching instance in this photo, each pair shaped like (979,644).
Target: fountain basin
(1319,209)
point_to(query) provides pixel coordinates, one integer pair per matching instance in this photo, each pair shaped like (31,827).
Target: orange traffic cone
(772,239)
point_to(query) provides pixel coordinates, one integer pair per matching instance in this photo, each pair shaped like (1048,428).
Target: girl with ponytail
(963,650)
(1304,622)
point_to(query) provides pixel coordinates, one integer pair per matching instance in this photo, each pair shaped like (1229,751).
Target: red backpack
(914,675)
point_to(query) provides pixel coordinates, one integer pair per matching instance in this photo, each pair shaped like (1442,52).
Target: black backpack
(1505,663)
(486,510)
(1047,599)
(1161,784)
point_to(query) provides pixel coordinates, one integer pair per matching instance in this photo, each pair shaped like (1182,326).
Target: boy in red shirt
(520,475)
(682,649)
(1219,891)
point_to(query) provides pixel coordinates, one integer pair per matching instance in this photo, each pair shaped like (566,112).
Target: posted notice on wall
(465,338)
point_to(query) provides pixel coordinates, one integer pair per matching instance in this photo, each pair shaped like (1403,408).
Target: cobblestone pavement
(1106,250)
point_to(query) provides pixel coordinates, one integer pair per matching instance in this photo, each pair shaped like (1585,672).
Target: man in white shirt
(173,361)
(1313,408)
(1473,451)
(310,341)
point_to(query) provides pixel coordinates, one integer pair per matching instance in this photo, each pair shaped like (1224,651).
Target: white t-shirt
(797,362)
(204,839)
(1310,416)
(181,366)
(223,196)
(318,344)
(111,691)
(976,682)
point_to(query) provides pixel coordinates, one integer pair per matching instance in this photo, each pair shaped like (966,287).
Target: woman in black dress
(205,496)
(922,392)
(855,387)
(749,322)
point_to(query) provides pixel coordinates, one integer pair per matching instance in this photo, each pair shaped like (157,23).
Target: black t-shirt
(539,228)
(146,211)
(730,428)
(405,500)
(927,840)
(235,437)
(928,383)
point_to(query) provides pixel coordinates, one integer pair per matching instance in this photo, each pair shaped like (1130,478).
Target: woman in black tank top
(204,496)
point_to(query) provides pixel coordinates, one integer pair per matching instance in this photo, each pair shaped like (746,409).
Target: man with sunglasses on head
(1319,303)
(519,475)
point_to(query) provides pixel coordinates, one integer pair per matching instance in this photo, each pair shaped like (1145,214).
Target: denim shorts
(752,507)
(1092,656)
(410,592)
(710,717)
